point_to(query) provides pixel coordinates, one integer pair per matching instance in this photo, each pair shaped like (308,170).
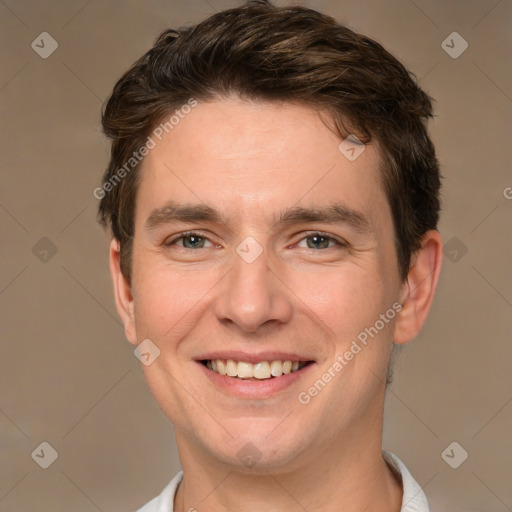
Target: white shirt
(413,500)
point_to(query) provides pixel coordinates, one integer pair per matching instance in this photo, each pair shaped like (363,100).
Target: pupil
(193,240)
(315,239)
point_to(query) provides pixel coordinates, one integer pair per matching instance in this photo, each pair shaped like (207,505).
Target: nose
(253,296)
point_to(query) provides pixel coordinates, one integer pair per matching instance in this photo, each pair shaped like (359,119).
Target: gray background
(67,375)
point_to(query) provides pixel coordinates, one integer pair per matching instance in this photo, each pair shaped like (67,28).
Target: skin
(250,161)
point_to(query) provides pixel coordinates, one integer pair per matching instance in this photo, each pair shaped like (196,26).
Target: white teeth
(231,368)
(221,367)
(245,370)
(276,368)
(261,370)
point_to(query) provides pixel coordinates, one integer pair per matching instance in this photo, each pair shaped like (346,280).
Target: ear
(122,293)
(418,289)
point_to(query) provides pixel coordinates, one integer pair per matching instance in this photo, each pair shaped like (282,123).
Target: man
(273,197)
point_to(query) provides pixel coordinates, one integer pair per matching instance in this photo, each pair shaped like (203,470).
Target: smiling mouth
(263,370)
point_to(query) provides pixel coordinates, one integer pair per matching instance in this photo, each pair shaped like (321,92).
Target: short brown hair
(260,52)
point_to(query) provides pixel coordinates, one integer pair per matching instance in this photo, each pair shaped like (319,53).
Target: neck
(349,474)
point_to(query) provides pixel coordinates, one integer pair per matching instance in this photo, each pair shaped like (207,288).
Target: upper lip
(252,357)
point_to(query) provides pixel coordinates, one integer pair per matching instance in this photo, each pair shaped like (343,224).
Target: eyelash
(340,243)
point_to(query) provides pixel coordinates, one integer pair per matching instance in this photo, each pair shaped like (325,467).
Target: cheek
(351,301)
(346,298)
(167,302)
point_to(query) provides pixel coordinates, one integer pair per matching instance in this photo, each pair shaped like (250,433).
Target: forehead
(256,159)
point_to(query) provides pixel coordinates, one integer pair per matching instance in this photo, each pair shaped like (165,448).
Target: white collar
(414,499)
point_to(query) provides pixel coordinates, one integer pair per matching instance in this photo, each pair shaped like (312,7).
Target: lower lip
(264,388)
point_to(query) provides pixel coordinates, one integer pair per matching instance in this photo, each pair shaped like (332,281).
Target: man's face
(260,284)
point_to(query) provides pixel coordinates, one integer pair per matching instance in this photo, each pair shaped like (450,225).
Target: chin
(254,454)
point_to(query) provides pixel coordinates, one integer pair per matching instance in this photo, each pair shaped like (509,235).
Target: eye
(317,241)
(190,240)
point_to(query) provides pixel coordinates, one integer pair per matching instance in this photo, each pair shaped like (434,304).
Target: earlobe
(418,290)
(122,292)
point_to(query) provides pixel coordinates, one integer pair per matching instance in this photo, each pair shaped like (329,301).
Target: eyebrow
(177,212)
(336,213)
